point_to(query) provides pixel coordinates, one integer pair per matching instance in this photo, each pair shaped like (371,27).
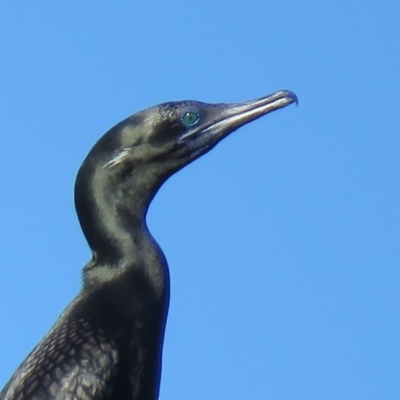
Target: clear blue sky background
(283,242)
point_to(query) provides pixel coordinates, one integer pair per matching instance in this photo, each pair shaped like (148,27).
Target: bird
(107,344)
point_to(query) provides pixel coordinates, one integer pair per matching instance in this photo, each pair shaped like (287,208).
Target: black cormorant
(107,344)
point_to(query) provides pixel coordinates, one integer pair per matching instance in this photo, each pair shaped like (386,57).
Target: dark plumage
(107,344)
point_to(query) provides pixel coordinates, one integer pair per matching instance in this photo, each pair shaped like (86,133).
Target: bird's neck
(113,219)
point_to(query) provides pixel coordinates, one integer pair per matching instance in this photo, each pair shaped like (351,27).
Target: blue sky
(283,241)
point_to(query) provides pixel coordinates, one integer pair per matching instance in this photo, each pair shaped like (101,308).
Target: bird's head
(154,143)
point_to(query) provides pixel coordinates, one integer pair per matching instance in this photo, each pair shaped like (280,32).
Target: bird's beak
(229,117)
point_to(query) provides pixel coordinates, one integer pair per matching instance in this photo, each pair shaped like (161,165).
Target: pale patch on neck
(118,159)
(100,274)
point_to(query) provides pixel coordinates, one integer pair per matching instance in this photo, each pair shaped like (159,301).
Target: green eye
(190,118)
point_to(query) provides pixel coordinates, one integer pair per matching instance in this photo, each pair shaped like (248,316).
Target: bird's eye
(190,118)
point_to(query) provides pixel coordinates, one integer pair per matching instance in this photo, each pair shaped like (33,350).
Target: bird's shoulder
(75,360)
